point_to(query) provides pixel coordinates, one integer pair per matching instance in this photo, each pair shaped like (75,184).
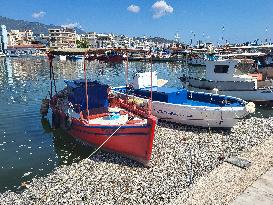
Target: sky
(207,20)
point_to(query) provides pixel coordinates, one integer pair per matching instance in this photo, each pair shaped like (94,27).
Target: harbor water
(28,146)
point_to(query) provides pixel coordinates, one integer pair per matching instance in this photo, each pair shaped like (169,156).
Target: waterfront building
(91,38)
(3,39)
(122,41)
(16,37)
(62,38)
(41,39)
(104,40)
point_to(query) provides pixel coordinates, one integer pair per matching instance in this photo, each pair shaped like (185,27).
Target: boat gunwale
(241,106)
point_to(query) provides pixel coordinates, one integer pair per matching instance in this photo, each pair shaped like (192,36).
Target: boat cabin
(224,70)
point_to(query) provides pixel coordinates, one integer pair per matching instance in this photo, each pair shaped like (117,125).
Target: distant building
(91,38)
(99,40)
(62,38)
(16,37)
(3,38)
(41,39)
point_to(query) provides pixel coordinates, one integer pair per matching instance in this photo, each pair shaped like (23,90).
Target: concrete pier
(259,193)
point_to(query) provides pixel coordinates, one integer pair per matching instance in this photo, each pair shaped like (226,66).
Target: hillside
(36,27)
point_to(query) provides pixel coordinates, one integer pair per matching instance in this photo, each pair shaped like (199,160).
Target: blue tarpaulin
(97,95)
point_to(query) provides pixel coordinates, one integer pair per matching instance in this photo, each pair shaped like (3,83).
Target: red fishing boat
(87,111)
(111,57)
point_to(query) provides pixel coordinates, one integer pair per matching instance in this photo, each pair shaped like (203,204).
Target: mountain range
(39,28)
(36,27)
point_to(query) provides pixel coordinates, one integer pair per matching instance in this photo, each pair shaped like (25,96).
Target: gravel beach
(181,156)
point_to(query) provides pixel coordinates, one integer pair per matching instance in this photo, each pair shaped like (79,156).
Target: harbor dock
(260,192)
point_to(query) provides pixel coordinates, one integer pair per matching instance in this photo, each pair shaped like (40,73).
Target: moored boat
(120,126)
(186,107)
(221,77)
(111,57)
(76,57)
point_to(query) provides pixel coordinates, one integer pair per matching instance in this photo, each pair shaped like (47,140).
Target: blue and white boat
(186,107)
(76,57)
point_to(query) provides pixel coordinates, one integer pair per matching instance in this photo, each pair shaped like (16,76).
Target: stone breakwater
(181,155)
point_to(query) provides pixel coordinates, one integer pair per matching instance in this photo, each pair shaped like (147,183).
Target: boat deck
(185,97)
(113,117)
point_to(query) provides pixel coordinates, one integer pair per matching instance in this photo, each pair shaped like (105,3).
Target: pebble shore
(181,156)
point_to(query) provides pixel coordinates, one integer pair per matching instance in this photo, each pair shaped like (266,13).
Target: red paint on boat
(132,140)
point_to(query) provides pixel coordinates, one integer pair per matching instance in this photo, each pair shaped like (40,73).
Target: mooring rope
(96,150)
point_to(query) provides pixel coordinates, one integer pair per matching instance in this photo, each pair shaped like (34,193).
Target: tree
(82,44)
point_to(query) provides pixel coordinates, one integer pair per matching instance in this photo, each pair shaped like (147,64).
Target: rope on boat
(66,179)
(98,148)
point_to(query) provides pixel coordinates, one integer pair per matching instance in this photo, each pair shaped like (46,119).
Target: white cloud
(161,8)
(133,8)
(39,14)
(72,25)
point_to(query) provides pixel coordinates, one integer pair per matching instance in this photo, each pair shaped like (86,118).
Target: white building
(62,38)
(16,37)
(3,38)
(91,38)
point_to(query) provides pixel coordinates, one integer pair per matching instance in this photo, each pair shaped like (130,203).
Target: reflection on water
(28,145)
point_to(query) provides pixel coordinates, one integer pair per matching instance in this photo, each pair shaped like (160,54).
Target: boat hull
(132,141)
(200,116)
(111,59)
(264,96)
(221,85)
(224,117)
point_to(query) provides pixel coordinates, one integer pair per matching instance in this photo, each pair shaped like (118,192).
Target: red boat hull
(111,59)
(132,141)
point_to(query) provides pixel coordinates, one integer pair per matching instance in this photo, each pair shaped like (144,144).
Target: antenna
(223,30)
(266,39)
(177,37)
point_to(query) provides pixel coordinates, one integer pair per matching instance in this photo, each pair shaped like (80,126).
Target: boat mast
(151,99)
(126,69)
(86,84)
(51,75)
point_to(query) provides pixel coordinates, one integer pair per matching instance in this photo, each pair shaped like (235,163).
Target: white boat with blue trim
(186,107)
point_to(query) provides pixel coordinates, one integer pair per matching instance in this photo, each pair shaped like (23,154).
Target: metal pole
(86,86)
(126,69)
(151,100)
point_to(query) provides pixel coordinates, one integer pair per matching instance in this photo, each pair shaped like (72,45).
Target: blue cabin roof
(97,94)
